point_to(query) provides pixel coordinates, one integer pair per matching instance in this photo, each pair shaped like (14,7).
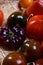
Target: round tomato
(31,50)
(39,62)
(1,17)
(41,48)
(25,3)
(34,27)
(35,9)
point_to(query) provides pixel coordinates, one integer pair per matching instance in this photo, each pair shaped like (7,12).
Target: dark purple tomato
(16,18)
(12,39)
(31,50)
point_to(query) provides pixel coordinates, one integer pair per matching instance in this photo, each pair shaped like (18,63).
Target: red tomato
(36,8)
(34,27)
(1,17)
(39,62)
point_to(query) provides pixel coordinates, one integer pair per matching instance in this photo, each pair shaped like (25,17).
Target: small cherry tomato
(31,50)
(1,17)
(34,27)
(25,3)
(39,62)
(35,9)
(14,58)
(41,48)
(16,18)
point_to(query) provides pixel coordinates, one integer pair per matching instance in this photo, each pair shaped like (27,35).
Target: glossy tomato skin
(41,48)
(34,27)
(16,18)
(39,62)
(12,39)
(14,58)
(31,50)
(35,9)
(25,3)
(1,17)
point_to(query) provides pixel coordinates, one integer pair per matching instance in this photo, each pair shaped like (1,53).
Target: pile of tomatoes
(31,21)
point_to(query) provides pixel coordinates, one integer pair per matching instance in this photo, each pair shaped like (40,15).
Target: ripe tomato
(14,58)
(1,17)
(34,27)
(39,62)
(41,48)
(25,3)
(31,50)
(35,9)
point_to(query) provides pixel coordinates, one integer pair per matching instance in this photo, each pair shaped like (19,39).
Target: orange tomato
(25,3)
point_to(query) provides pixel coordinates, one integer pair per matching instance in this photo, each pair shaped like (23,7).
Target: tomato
(1,17)
(41,48)
(14,58)
(35,9)
(34,27)
(31,50)
(39,62)
(25,3)
(16,18)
